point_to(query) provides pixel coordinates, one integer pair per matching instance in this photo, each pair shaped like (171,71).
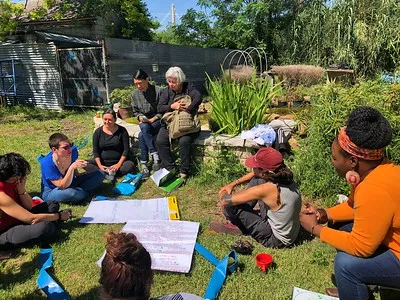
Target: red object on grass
(264,261)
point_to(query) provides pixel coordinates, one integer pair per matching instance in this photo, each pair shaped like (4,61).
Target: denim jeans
(353,274)
(79,190)
(146,139)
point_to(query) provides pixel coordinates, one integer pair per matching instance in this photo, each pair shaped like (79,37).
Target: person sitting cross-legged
(271,185)
(111,146)
(20,221)
(61,180)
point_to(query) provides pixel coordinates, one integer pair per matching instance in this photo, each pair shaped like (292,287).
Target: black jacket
(167,97)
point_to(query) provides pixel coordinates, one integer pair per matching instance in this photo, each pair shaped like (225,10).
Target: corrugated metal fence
(125,56)
(37,75)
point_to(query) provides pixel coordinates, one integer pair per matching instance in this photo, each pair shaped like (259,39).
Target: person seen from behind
(126,271)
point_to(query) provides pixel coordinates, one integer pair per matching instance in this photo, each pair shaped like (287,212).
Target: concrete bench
(205,144)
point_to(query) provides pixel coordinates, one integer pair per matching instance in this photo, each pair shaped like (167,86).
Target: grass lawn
(78,247)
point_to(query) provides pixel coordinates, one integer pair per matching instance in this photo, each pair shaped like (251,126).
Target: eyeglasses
(66,147)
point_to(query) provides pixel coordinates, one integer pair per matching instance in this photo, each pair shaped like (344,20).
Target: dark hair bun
(125,248)
(368,128)
(140,74)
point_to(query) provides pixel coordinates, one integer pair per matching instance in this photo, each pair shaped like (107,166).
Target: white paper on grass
(170,243)
(159,175)
(121,211)
(300,294)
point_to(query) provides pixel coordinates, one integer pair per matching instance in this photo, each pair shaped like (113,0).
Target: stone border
(207,141)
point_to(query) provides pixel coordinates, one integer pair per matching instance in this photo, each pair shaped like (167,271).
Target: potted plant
(123,97)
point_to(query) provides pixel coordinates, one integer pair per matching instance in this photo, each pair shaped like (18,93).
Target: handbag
(180,123)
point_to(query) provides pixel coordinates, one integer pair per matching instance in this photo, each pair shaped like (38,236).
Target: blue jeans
(146,139)
(353,273)
(79,190)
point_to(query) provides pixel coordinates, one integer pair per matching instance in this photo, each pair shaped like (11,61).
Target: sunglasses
(67,147)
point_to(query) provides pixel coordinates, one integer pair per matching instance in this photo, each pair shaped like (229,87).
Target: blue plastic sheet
(222,269)
(47,283)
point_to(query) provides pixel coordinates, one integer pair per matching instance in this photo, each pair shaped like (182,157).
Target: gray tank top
(285,222)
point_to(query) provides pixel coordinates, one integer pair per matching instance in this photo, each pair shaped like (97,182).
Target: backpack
(181,122)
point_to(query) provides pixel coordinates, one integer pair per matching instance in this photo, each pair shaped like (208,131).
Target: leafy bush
(237,105)
(329,113)
(224,168)
(122,96)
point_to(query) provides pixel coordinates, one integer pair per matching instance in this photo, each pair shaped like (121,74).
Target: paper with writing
(121,211)
(170,243)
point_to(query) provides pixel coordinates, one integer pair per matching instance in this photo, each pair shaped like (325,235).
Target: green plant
(122,96)
(236,105)
(328,114)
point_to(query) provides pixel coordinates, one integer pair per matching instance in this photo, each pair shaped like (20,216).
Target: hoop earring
(353,177)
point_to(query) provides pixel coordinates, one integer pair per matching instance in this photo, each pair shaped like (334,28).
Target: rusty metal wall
(83,76)
(125,56)
(37,75)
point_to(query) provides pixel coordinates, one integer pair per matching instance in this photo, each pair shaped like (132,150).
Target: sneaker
(156,165)
(226,227)
(145,171)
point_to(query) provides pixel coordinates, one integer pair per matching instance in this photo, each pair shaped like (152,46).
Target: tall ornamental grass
(238,105)
(330,109)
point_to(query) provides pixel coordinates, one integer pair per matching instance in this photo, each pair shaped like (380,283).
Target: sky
(161,9)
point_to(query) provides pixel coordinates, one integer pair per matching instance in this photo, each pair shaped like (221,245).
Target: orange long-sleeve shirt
(374,205)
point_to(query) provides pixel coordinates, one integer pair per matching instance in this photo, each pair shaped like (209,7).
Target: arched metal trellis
(248,57)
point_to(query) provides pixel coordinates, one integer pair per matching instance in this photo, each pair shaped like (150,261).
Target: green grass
(78,247)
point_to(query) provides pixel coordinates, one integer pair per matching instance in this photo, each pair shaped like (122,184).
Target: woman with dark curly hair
(369,243)
(19,221)
(126,271)
(270,184)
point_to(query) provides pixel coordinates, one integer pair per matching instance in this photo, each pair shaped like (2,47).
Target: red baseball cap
(266,158)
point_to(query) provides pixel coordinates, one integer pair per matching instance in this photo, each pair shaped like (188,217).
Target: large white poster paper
(121,211)
(300,294)
(170,243)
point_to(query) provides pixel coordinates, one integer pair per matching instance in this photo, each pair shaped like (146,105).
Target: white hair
(177,73)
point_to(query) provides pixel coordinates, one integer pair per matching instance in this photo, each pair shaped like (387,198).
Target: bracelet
(24,193)
(312,229)
(237,182)
(59,215)
(228,199)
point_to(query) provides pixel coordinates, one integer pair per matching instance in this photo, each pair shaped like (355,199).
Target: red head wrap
(347,145)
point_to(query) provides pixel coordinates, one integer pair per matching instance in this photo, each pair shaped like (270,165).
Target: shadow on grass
(26,271)
(93,294)
(31,296)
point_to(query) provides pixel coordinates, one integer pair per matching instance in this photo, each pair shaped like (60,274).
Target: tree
(360,34)
(8,11)
(124,18)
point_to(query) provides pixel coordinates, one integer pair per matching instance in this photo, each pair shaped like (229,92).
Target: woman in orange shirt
(369,244)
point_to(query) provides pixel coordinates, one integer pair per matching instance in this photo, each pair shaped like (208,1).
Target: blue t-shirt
(50,170)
